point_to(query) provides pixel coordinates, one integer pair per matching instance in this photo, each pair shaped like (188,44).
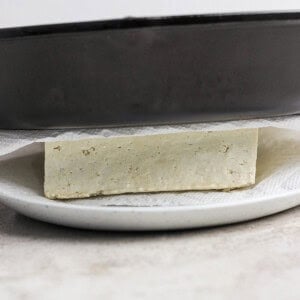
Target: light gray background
(254,260)
(32,12)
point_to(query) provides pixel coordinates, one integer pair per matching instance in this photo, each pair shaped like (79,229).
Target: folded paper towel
(11,140)
(278,168)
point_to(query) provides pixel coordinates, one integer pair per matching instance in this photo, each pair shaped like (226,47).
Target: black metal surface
(150,71)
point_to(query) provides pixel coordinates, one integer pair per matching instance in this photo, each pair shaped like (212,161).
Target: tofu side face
(167,162)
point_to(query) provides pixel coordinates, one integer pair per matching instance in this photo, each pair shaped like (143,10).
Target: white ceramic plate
(88,216)
(21,189)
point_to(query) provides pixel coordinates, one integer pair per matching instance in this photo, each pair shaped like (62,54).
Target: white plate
(21,189)
(88,216)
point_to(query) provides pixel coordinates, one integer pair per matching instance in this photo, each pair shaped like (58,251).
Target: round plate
(21,182)
(88,216)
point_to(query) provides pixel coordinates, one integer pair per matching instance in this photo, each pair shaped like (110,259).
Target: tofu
(156,163)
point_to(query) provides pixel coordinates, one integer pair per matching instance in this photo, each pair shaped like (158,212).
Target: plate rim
(153,209)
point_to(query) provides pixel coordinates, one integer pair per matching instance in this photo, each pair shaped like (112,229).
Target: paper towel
(278,166)
(11,140)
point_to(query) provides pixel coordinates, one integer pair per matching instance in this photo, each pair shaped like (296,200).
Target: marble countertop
(253,260)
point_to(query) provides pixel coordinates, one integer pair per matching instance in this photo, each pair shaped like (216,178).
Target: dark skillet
(150,71)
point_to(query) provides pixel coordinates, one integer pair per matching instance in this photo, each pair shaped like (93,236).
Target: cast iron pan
(150,71)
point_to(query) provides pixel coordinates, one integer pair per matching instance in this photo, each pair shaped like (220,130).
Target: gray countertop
(253,260)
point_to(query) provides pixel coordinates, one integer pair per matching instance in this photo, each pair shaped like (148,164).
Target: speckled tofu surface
(167,162)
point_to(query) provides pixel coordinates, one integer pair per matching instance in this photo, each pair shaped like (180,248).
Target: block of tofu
(156,163)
